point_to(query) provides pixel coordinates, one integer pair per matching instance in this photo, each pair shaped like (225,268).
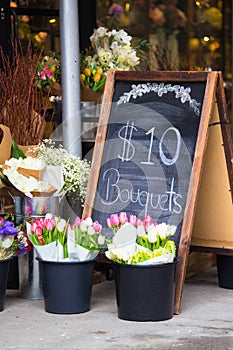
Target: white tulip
(90,230)
(101,240)
(165,230)
(89,221)
(83,226)
(48,216)
(152,234)
(140,231)
(61,224)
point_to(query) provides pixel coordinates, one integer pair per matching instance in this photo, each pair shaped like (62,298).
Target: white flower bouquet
(137,241)
(113,49)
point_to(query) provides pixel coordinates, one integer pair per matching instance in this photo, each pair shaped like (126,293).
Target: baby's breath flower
(75,170)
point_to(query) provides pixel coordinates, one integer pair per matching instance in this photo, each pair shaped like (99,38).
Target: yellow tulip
(83,77)
(96,77)
(87,72)
(99,70)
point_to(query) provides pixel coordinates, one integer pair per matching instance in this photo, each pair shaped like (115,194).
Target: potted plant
(144,262)
(13,242)
(66,255)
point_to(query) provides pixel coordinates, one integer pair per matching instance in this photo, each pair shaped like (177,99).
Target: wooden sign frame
(212,89)
(215,200)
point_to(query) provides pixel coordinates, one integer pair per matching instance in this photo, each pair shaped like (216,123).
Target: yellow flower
(214,17)
(96,78)
(87,72)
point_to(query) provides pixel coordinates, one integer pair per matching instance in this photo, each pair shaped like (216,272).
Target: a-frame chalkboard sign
(149,150)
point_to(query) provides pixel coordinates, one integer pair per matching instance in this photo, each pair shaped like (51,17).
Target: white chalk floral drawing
(180,92)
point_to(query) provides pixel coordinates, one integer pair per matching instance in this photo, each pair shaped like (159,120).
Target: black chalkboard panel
(149,150)
(148,153)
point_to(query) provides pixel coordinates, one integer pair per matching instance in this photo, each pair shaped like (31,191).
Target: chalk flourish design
(180,92)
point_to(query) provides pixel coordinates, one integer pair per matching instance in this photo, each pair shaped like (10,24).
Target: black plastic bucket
(67,286)
(145,292)
(225,271)
(4,269)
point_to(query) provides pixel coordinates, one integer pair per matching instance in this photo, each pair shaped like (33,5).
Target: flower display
(49,237)
(109,50)
(13,241)
(140,241)
(166,16)
(49,73)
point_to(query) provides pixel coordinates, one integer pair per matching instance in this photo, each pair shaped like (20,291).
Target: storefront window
(184,34)
(37,21)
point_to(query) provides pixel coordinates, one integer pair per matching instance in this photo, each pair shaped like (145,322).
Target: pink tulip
(33,227)
(123,217)
(139,222)
(109,224)
(38,231)
(147,221)
(1,220)
(133,220)
(114,220)
(96,226)
(77,221)
(50,224)
(40,222)
(48,72)
(42,75)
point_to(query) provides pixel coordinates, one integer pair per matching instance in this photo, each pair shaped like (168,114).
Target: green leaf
(16,152)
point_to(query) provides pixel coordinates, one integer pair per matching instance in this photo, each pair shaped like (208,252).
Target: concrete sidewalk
(205,322)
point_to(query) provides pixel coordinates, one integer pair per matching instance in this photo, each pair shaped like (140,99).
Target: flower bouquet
(109,50)
(140,241)
(85,239)
(49,74)
(75,171)
(13,241)
(30,176)
(45,170)
(54,239)
(49,237)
